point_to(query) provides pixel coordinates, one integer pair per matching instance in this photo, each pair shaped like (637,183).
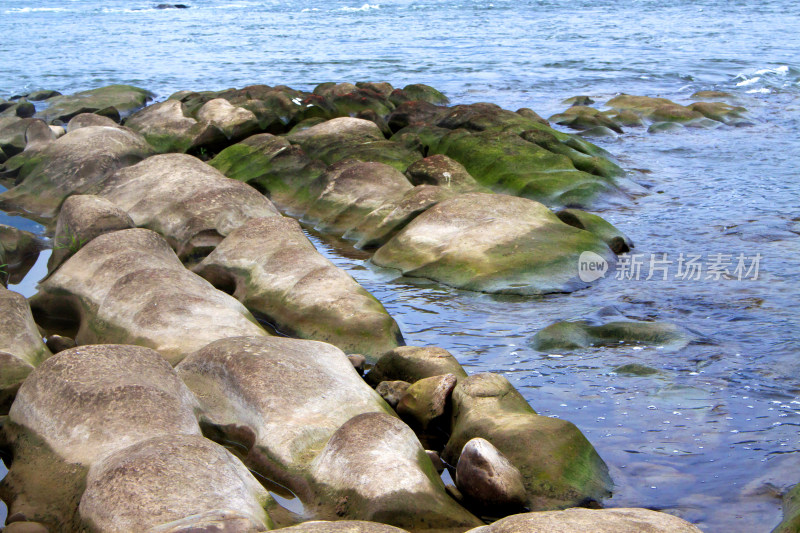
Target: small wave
(365,7)
(306,10)
(35,10)
(762,90)
(748,81)
(782,70)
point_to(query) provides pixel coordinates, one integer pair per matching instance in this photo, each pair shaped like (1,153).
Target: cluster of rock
(658,114)
(172,405)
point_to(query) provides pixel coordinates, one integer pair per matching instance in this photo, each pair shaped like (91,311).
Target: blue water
(715,436)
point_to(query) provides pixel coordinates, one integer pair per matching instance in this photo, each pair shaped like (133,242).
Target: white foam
(762,90)
(34,10)
(365,7)
(783,70)
(746,82)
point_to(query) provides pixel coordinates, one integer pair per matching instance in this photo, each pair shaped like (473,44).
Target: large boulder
(613,237)
(273,269)
(21,345)
(306,419)
(168,128)
(488,480)
(413,363)
(440,170)
(19,251)
(123,98)
(12,133)
(235,122)
(187,201)
(72,164)
(173,483)
(82,218)
(594,520)
(559,466)
(492,243)
(130,287)
(76,408)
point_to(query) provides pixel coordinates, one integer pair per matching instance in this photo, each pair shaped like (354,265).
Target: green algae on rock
(614,238)
(123,98)
(791,512)
(583,334)
(19,251)
(413,363)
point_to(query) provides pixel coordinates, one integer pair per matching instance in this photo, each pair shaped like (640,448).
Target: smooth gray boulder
(76,408)
(492,243)
(130,287)
(308,421)
(169,128)
(84,120)
(235,122)
(21,345)
(488,480)
(72,164)
(270,266)
(191,204)
(413,363)
(579,520)
(173,483)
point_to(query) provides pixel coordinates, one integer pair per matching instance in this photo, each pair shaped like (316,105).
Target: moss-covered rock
(492,243)
(427,400)
(413,363)
(559,466)
(614,238)
(274,270)
(624,520)
(419,92)
(124,98)
(444,172)
(583,334)
(167,128)
(579,117)
(791,512)
(635,369)
(593,164)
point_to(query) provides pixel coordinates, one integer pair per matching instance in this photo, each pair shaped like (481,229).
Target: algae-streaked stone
(583,334)
(635,369)
(167,127)
(442,171)
(425,93)
(235,122)
(614,238)
(578,520)
(19,250)
(426,400)
(76,408)
(170,481)
(125,98)
(187,201)
(275,271)
(129,287)
(559,466)
(492,243)
(392,391)
(791,512)
(413,363)
(342,526)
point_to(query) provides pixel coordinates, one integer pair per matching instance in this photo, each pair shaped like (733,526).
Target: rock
(438,464)
(442,171)
(130,287)
(12,134)
(488,480)
(173,483)
(507,163)
(560,468)
(414,113)
(392,391)
(168,128)
(533,115)
(125,98)
(349,191)
(492,243)
(19,251)
(82,218)
(329,89)
(580,117)
(73,164)
(382,87)
(635,369)
(578,100)
(425,93)
(383,223)
(270,266)
(84,120)
(38,96)
(21,346)
(187,201)
(719,111)
(791,512)
(426,400)
(58,343)
(25,527)
(614,238)
(38,136)
(378,470)
(413,363)
(76,408)
(274,167)
(342,526)
(25,110)
(358,361)
(596,520)
(584,334)
(235,122)
(666,115)
(305,418)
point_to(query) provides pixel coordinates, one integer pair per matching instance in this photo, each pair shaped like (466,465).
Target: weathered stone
(579,117)
(614,238)
(77,407)
(414,113)
(125,98)
(21,346)
(426,400)
(358,361)
(25,527)
(19,251)
(488,480)
(533,115)
(168,129)
(235,122)
(492,243)
(173,483)
(425,93)
(37,136)
(84,120)
(38,96)
(559,466)
(187,201)
(442,171)
(392,391)
(130,287)
(82,218)
(73,164)
(59,343)
(342,526)
(578,100)
(25,109)
(592,164)
(12,134)
(273,269)
(791,512)
(413,363)
(380,87)
(584,334)
(594,520)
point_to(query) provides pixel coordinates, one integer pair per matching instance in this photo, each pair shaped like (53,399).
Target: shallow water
(712,437)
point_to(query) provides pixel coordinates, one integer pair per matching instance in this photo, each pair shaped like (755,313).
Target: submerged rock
(72,164)
(21,345)
(583,334)
(19,251)
(488,480)
(76,408)
(308,421)
(174,483)
(560,468)
(413,363)
(273,269)
(123,98)
(187,201)
(492,243)
(594,520)
(130,287)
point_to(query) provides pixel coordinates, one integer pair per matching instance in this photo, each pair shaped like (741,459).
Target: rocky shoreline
(179,272)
